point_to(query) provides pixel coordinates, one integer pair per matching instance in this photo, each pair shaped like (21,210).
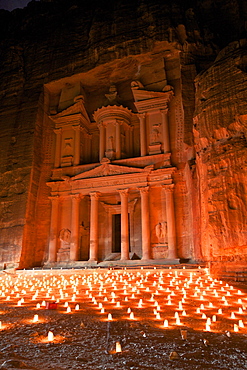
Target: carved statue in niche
(110,152)
(161,232)
(67,148)
(65,237)
(155,134)
(63,254)
(110,143)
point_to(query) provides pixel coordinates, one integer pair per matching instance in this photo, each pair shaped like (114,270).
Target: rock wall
(220,133)
(50,40)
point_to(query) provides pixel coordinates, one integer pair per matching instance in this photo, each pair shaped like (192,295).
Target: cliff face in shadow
(50,40)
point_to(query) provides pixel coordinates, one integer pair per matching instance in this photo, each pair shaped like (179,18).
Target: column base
(172,256)
(146,259)
(172,261)
(93,261)
(124,259)
(50,262)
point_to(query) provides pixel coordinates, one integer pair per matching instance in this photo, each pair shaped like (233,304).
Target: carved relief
(63,253)
(65,236)
(161,232)
(155,143)
(110,151)
(67,147)
(67,152)
(155,134)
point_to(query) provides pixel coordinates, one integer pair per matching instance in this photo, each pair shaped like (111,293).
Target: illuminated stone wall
(220,127)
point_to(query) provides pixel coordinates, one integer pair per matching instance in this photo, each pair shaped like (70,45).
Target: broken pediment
(75,110)
(151,100)
(107,169)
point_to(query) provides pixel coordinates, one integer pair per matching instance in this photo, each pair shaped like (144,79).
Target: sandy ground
(86,338)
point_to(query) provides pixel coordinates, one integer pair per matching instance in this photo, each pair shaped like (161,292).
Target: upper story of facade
(120,122)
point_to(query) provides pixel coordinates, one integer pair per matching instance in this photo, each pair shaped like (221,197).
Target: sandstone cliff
(220,125)
(51,40)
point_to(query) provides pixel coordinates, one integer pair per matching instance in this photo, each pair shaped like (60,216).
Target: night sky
(12,4)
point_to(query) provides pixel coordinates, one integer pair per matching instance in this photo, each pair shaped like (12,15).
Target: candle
(35,318)
(165,323)
(50,336)
(118,347)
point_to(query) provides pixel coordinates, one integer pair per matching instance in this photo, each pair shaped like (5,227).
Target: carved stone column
(102,139)
(146,250)
(58,133)
(165,124)
(171,227)
(52,257)
(142,118)
(75,213)
(94,227)
(124,224)
(118,139)
(77,147)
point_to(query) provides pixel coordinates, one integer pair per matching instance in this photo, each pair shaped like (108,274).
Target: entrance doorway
(116,233)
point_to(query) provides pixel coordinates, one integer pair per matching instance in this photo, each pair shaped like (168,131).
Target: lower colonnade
(141,193)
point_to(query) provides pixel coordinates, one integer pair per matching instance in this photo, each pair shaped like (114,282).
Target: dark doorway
(116,233)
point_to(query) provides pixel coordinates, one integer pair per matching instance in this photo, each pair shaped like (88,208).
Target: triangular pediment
(77,108)
(140,95)
(107,169)
(146,101)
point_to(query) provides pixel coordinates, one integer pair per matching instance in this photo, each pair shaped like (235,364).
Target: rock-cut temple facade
(123,134)
(112,189)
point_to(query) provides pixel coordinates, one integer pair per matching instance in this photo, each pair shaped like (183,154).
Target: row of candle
(165,293)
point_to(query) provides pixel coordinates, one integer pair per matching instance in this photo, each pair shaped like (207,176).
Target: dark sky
(12,4)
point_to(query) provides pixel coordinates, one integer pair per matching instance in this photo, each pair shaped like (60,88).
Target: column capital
(58,131)
(168,188)
(141,115)
(164,111)
(101,124)
(85,132)
(76,127)
(54,198)
(144,190)
(123,192)
(77,196)
(118,122)
(94,195)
